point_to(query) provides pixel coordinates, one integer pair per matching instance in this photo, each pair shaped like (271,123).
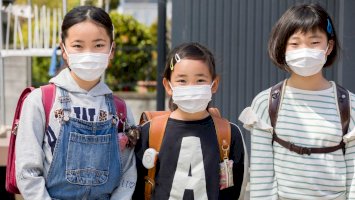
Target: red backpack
(48,94)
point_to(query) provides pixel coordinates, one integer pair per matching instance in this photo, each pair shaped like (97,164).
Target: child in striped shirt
(302,42)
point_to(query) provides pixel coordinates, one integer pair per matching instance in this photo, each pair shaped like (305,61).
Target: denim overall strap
(110,104)
(64,100)
(86,160)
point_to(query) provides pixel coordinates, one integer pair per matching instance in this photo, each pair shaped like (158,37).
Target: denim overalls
(86,160)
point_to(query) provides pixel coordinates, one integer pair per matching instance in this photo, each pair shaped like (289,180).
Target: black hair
(304,18)
(192,51)
(83,13)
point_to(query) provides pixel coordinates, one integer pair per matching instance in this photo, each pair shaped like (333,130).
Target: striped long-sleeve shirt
(306,118)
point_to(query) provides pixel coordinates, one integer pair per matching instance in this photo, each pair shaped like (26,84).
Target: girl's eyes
(76,46)
(99,45)
(181,81)
(315,42)
(201,81)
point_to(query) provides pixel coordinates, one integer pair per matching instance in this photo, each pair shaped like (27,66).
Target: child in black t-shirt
(188,164)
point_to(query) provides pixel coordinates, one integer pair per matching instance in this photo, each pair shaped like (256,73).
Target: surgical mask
(192,98)
(306,62)
(88,66)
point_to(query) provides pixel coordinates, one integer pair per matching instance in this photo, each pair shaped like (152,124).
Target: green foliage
(134,54)
(40,66)
(114,4)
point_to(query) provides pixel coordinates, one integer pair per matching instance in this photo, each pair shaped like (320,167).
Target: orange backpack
(158,121)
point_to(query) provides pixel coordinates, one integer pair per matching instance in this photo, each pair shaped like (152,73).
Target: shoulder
(130,117)
(261,98)
(34,99)
(261,103)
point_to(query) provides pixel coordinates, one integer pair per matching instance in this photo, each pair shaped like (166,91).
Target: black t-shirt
(188,162)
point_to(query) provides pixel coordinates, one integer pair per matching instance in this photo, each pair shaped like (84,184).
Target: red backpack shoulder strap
(10,184)
(48,95)
(121,108)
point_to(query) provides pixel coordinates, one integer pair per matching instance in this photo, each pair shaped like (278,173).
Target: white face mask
(192,98)
(88,66)
(306,62)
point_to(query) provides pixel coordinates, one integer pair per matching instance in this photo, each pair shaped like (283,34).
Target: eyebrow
(312,36)
(97,40)
(315,36)
(181,75)
(198,75)
(203,75)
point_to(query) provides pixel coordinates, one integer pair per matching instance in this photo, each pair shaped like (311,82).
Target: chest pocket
(85,164)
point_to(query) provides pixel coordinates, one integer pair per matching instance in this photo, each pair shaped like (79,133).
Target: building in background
(145,11)
(238,32)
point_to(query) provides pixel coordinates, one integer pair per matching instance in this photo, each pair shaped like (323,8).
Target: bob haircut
(304,18)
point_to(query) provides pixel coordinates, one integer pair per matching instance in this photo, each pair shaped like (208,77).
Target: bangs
(307,21)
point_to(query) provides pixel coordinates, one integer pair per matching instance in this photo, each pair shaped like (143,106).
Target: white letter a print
(190,156)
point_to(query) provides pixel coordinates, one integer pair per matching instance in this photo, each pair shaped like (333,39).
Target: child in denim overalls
(78,155)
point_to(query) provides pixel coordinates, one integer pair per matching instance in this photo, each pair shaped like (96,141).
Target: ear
(215,85)
(330,47)
(167,87)
(112,54)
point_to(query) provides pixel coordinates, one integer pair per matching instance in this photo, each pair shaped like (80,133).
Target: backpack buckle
(299,150)
(149,181)
(276,94)
(225,149)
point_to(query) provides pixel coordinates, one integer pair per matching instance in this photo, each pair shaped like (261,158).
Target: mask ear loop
(326,50)
(66,52)
(172,88)
(111,49)
(212,84)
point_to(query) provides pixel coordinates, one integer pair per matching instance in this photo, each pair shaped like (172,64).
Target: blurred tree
(114,4)
(133,59)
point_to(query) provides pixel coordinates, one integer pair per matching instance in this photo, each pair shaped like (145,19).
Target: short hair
(304,18)
(193,51)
